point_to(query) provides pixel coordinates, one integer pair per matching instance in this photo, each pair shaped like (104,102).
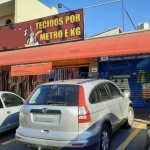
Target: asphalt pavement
(123,139)
(143,114)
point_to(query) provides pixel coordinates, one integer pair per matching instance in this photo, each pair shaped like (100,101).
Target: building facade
(58,42)
(35,38)
(125,61)
(16,11)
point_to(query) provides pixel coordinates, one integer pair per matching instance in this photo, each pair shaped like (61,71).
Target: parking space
(129,139)
(7,141)
(123,139)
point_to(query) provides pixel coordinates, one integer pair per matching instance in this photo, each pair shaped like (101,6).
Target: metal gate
(63,73)
(132,76)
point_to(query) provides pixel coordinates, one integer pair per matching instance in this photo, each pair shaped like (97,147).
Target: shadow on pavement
(142,114)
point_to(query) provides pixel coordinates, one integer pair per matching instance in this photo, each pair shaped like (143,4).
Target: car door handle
(105,105)
(8,112)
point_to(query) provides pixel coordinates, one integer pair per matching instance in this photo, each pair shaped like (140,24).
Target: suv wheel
(105,138)
(129,122)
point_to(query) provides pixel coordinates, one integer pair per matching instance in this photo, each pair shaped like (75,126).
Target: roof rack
(85,81)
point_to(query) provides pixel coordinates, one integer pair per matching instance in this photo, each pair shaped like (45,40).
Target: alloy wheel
(105,140)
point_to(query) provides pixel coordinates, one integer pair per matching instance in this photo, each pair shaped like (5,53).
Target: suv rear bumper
(82,141)
(48,144)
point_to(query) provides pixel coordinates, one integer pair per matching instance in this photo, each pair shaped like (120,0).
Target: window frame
(104,85)
(1,103)
(99,93)
(13,95)
(99,99)
(108,88)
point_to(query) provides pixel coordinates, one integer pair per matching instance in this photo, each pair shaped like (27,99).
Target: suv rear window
(60,94)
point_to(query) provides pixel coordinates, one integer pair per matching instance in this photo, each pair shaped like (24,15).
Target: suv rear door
(52,109)
(104,96)
(123,102)
(116,114)
(114,101)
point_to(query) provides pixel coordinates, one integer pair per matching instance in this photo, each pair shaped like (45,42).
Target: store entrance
(83,72)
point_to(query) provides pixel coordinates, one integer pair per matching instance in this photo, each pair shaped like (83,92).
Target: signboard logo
(32,38)
(44,110)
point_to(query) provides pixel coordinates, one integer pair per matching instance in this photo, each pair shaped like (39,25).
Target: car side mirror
(148,126)
(126,94)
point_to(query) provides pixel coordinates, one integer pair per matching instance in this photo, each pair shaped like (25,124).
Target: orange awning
(31,69)
(115,45)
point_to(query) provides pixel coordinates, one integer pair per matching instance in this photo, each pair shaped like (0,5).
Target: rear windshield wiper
(56,103)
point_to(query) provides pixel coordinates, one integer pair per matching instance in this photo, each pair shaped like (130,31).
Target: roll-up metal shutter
(132,76)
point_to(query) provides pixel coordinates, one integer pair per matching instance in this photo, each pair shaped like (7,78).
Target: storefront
(70,55)
(22,80)
(35,38)
(131,73)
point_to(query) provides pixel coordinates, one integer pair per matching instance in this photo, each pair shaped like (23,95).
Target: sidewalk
(142,115)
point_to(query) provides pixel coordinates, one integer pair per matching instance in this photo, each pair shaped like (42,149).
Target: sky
(102,18)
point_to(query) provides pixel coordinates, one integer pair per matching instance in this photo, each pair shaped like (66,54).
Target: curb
(141,121)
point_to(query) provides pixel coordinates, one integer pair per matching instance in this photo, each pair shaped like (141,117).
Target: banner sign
(53,29)
(31,69)
(124,57)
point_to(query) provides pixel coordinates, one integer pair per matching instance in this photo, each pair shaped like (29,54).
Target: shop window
(8,22)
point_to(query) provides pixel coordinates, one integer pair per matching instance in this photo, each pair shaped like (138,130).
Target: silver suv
(74,114)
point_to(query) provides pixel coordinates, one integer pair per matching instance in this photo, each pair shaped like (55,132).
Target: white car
(10,105)
(74,114)
(147,139)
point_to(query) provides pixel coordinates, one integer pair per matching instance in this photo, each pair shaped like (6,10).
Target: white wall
(26,10)
(7,8)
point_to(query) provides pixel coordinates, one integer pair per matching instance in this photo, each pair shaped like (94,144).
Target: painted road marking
(131,137)
(8,142)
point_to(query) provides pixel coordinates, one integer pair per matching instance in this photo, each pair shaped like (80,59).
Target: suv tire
(105,138)
(130,120)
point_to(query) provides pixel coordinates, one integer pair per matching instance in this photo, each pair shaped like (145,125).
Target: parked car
(78,113)
(10,105)
(147,139)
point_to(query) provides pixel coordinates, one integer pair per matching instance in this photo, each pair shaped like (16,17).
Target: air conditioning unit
(143,26)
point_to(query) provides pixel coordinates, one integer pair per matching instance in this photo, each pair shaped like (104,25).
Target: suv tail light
(20,115)
(83,112)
